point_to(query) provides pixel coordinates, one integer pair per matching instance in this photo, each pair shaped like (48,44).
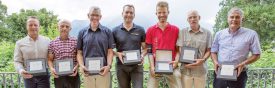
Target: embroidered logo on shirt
(134,33)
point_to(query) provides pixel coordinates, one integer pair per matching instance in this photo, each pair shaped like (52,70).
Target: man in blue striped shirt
(232,45)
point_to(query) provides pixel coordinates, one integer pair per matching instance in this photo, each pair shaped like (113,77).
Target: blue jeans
(240,83)
(38,82)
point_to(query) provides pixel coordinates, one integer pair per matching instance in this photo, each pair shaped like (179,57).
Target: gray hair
(94,8)
(64,21)
(235,9)
(193,11)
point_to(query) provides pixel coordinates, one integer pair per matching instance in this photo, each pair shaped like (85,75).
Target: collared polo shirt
(235,47)
(62,49)
(163,39)
(128,40)
(95,43)
(200,40)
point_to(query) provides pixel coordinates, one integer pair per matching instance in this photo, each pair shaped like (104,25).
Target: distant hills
(117,20)
(79,24)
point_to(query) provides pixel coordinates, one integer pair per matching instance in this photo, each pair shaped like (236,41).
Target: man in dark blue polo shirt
(129,36)
(95,40)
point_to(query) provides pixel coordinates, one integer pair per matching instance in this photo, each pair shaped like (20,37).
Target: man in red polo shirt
(163,36)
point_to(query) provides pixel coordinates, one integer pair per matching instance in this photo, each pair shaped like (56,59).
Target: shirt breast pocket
(187,43)
(201,43)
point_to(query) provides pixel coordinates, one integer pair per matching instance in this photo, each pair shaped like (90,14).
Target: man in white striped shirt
(232,45)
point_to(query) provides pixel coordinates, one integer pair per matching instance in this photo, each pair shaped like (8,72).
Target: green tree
(17,22)
(16,26)
(4,32)
(6,63)
(259,15)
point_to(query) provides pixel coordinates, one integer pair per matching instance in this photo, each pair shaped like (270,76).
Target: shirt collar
(99,28)
(167,26)
(200,29)
(59,38)
(29,38)
(238,31)
(122,27)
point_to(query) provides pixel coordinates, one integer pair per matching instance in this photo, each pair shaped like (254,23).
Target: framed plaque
(36,67)
(64,67)
(162,66)
(227,72)
(163,55)
(131,57)
(188,55)
(94,64)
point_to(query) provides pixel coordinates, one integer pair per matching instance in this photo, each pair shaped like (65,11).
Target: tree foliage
(4,32)
(17,22)
(13,28)
(6,56)
(259,15)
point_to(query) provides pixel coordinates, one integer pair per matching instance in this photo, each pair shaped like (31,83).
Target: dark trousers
(127,74)
(38,82)
(240,83)
(67,82)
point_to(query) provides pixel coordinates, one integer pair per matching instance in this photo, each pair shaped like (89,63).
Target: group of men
(232,44)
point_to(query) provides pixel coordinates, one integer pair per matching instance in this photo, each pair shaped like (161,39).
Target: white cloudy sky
(77,9)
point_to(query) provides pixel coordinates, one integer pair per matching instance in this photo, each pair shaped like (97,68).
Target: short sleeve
(148,38)
(111,42)
(50,48)
(209,40)
(180,38)
(255,47)
(215,45)
(80,40)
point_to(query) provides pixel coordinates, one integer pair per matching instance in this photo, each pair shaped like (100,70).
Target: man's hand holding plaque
(227,72)
(36,67)
(188,55)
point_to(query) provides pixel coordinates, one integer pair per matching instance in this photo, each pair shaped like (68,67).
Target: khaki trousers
(174,81)
(97,81)
(193,81)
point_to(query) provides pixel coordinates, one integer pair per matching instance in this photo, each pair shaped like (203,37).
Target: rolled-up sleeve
(18,58)
(180,38)
(210,40)
(215,45)
(255,47)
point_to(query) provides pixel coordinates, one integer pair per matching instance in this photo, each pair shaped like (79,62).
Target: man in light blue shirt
(232,45)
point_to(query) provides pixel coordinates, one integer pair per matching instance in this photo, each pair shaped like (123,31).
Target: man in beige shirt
(32,46)
(194,75)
